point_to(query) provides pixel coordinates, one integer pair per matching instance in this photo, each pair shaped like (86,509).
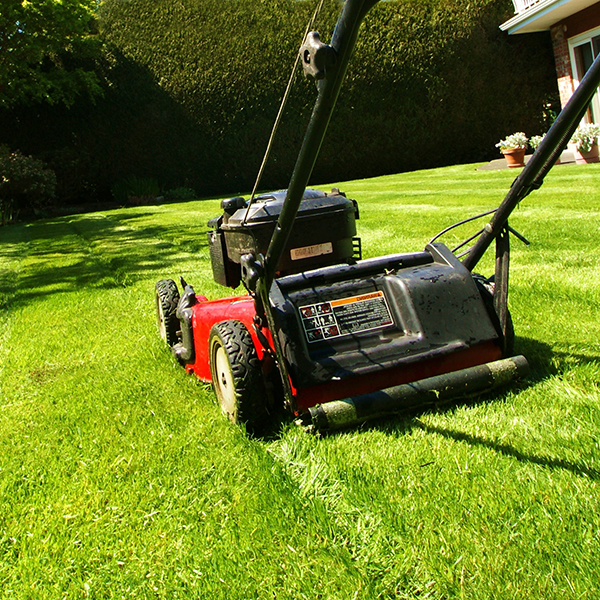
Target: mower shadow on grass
(90,252)
(508,450)
(402,425)
(548,361)
(543,361)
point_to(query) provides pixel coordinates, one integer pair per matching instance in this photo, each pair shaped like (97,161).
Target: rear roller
(351,412)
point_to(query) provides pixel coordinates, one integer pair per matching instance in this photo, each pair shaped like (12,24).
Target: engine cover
(323,233)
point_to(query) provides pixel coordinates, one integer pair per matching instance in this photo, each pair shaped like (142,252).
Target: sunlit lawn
(119,477)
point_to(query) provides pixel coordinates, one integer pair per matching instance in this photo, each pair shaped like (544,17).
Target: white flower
(586,136)
(536,140)
(514,141)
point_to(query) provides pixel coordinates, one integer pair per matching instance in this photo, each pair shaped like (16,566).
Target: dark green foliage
(436,82)
(133,189)
(223,66)
(47,51)
(179,194)
(26,184)
(193,88)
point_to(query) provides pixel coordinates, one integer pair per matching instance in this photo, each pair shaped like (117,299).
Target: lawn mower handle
(543,159)
(328,65)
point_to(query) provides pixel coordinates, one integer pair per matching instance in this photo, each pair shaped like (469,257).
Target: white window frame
(578,40)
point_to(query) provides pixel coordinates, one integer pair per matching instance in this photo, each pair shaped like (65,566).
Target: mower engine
(324,233)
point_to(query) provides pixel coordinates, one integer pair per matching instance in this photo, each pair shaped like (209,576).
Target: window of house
(584,49)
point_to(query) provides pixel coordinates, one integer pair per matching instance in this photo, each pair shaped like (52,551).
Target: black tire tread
(250,392)
(167,299)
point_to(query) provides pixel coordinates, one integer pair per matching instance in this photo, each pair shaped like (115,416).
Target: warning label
(345,316)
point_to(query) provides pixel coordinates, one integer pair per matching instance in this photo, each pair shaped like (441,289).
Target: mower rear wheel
(167,299)
(237,376)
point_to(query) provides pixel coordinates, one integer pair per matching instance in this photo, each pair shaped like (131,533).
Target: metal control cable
(282,106)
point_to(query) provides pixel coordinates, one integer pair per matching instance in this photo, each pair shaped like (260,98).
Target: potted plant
(585,140)
(513,148)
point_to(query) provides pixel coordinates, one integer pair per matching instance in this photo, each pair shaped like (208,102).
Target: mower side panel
(205,314)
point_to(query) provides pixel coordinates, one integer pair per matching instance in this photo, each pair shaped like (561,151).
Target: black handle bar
(543,159)
(330,82)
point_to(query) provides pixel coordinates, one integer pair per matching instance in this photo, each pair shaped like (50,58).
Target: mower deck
(349,330)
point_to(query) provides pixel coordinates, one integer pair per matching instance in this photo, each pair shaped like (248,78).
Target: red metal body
(206,313)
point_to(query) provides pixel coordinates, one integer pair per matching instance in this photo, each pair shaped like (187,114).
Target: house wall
(561,32)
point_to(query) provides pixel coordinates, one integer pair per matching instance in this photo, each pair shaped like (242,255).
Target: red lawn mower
(334,339)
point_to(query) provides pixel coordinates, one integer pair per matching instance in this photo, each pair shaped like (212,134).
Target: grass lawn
(119,477)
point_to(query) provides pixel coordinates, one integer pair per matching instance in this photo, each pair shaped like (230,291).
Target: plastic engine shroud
(323,233)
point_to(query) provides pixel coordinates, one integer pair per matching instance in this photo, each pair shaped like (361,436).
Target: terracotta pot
(515,157)
(581,158)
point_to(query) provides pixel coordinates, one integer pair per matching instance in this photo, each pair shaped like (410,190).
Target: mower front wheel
(167,299)
(237,376)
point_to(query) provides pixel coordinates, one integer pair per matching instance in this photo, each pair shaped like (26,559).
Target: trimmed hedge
(194,86)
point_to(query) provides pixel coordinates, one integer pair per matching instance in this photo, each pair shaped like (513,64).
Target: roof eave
(543,15)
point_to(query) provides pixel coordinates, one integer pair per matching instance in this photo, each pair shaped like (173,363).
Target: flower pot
(515,157)
(581,158)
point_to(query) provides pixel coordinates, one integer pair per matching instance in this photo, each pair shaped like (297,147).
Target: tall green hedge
(193,87)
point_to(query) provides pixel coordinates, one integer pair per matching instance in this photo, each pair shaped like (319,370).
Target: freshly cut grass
(119,477)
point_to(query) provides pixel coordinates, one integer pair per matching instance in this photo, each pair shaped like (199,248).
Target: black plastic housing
(323,233)
(339,322)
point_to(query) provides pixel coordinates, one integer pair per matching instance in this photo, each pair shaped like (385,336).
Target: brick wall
(574,25)
(562,59)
